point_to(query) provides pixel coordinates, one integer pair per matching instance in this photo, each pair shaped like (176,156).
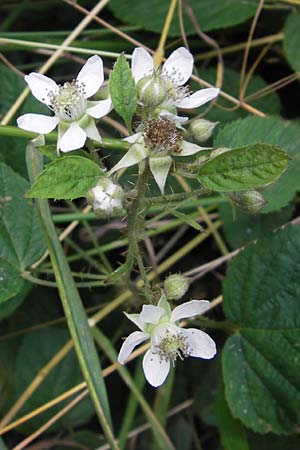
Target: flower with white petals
(175,72)
(73,112)
(159,141)
(168,340)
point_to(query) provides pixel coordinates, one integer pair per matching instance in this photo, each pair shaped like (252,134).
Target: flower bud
(152,90)
(248,201)
(201,130)
(106,198)
(176,286)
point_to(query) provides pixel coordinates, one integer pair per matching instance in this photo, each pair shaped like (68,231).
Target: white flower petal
(133,138)
(151,314)
(100,108)
(91,75)
(179,66)
(187,149)
(135,154)
(73,138)
(134,339)
(200,344)
(38,123)
(135,319)
(92,131)
(156,370)
(160,166)
(198,98)
(142,64)
(41,86)
(189,309)
(178,120)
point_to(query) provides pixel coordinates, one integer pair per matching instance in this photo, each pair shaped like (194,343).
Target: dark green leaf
(243,168)
(232,432)
(261,361)
(8,308)
(11,282)
(21,238)
(273,442)
(68,177)
(123,90)
(151,14)
(241,228)
(291,40)
(271,130)
(36,350)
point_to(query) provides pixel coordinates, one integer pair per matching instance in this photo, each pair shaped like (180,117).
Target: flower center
(162,136)
(69,102)
(173,346)
(176,92)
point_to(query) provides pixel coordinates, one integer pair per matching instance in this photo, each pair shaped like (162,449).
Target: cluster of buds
(106,198)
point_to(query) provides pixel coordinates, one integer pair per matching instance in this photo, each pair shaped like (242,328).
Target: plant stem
(135,222)
(109,143)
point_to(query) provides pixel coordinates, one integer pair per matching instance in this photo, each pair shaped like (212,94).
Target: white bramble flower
(175,72)
(106,198)
(168,340)
(73,113)
(159,141)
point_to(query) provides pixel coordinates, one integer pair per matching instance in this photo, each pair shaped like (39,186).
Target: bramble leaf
(68,177)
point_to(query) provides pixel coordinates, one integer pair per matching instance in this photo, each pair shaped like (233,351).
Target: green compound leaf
(271,130)
(66,178)
(123,90)
(291,40)
(243,168)
(211,15)
(261,361)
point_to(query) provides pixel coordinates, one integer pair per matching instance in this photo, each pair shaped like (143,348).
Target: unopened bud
(106,198)
(201,130)
(176,286)
(152,90)
(248,201)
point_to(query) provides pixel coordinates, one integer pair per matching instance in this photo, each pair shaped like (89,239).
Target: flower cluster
(168,340)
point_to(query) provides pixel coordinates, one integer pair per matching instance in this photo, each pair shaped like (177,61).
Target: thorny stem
(135,222)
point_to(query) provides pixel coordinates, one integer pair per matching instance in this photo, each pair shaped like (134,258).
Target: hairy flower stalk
(73,113)
(159,142)
(168,340)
